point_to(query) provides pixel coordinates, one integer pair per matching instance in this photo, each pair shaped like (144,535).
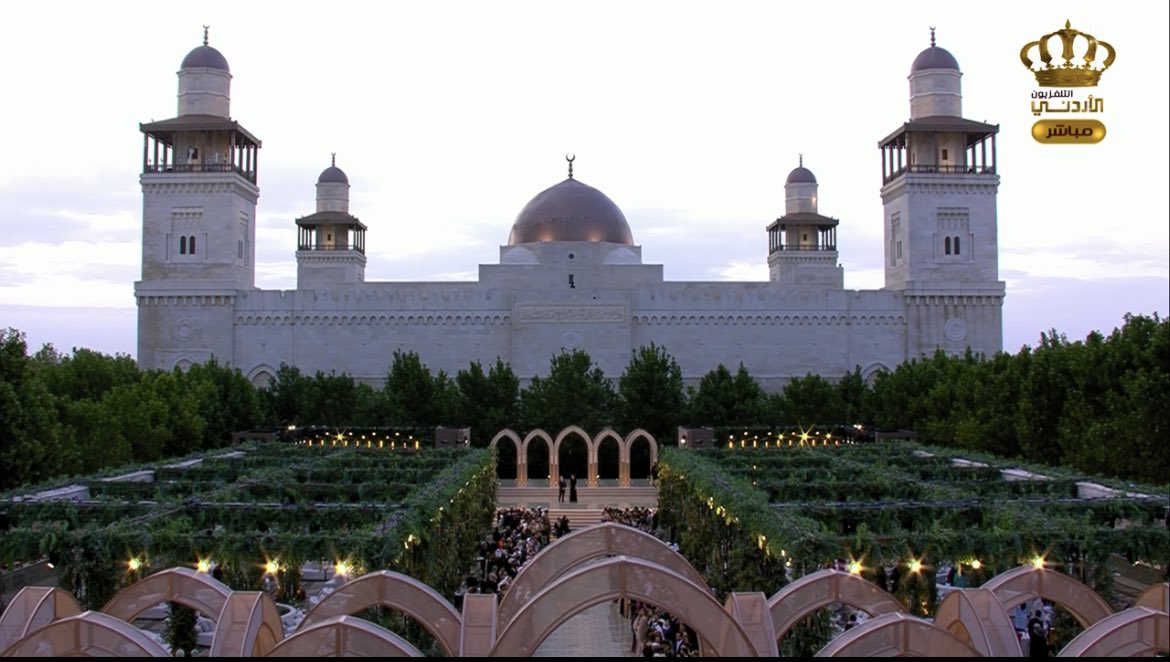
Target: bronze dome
(801,175)
(205,57)
(571,211)
(934,58)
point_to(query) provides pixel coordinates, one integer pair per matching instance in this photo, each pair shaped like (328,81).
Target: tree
(488,402)
(725,400)
(650,393)
(811,400)
(409,392)
(576,392)
(854,399)
(227,401)
(287,397)
(29,432)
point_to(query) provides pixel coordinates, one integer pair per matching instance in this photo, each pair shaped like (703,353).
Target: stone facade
(197,298)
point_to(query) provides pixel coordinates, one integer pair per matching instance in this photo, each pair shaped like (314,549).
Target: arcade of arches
(637,448)
(587,567)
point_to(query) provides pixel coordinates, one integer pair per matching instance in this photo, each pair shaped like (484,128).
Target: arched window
(947,245)
(956,245)
(191,245)
(182,245)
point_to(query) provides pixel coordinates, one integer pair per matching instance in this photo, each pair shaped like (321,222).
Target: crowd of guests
(518,536)
(643,519)
(656,633)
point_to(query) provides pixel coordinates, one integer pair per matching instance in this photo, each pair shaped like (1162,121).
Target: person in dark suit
(561,491)
(573,488)
(1037,635)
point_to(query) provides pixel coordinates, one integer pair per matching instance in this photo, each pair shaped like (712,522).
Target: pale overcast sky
(448,117)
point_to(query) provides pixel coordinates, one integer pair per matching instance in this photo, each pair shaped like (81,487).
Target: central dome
(571,211)
(205,57)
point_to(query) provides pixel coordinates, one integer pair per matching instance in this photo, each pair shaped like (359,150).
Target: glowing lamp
(855,568)
(271,567)
(915,566)
(134,565)
(203,566)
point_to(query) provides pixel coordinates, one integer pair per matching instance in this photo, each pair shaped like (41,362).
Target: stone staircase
(591,501)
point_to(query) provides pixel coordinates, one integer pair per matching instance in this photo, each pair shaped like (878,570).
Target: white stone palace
(570,275)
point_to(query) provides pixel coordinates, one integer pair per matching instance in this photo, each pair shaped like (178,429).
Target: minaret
(331,249)
(939,187)
(199,172)
(802,244)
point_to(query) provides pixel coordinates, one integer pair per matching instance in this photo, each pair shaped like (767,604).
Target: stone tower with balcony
(331,247)
(802,244)
(939,187)
(199,173)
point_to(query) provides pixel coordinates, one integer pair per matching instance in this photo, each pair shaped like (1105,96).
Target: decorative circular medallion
(184,329)
(571,340)
(955,329)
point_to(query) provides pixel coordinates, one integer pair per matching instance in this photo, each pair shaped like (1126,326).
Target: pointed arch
(897,634)
(391,589)
(345,636)
(34,607)
(977,618)
(582,546)
(555,458)
(262,375)
(88,634)
(870,372)
(572,429)
(822,588)
(185,586)
(1027,582)
(617,577)
(521,460)
(633,436)
(247,626)
(553,476)
(1135,632)
(595,462)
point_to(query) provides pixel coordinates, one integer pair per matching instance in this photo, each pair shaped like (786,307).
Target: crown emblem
(1068,74)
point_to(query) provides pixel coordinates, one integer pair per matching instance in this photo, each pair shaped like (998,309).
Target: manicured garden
(261,509)
(895,513)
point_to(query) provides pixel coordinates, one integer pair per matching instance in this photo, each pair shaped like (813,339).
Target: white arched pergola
(592,444)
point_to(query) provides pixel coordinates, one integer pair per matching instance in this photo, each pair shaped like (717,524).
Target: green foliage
(651,394)
(410,392)
(180,630)
(727,400)
(422,513)
(488,402)
(1096,404)
(811,399)
(575,392)
(29,432)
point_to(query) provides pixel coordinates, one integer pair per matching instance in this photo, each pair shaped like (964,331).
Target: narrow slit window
(947,245)
(183,245)
(956,245)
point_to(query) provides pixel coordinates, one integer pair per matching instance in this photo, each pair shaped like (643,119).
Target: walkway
(599,631)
